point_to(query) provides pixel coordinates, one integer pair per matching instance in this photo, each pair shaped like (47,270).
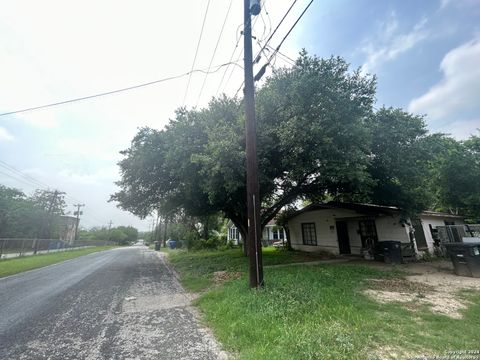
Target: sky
(425,54)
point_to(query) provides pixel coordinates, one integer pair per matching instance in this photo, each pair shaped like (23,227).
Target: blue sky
(404,44)
(426,55)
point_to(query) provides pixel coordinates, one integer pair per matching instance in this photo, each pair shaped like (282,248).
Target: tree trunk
(242,228)
(205,227)
(289,243)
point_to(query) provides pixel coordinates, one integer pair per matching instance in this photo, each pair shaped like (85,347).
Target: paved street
(117,304)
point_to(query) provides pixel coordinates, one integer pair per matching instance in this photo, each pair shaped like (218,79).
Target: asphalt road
(117,304)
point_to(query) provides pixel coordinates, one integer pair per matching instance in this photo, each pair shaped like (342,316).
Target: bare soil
(432,284)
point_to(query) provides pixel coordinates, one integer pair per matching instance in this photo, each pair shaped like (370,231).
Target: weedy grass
(197,267)
(20,264)
(318,312)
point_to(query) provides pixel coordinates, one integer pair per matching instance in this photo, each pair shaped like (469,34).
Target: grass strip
(21,264)
(318,312)
(197,267)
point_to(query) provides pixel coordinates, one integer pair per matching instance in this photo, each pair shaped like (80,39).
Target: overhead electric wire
(231,58)
(196,51)
(117,90)
(214,51)
(26,177)
(286,57)
(19,179)
(277,49)
(20,176)
(256,58)
(276,28)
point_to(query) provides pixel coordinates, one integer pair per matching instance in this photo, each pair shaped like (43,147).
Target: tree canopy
(318,138)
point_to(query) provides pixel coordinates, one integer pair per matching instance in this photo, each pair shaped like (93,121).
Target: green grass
(20,264)
(197,267)
(317,312)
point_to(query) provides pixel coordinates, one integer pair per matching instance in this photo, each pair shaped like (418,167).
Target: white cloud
(444,3)
(456,96)
(55,50)
(389,43)
(5,135)
(105,175)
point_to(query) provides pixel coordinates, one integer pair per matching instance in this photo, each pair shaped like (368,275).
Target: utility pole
(253,198)
(165,231)
(157,227)
(78,213)
(109,227)
(47,226)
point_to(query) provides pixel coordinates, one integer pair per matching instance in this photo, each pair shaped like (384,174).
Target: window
(368,233)
(309,234)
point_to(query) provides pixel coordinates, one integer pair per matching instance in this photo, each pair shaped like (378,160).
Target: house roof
(367,209)
(441,214)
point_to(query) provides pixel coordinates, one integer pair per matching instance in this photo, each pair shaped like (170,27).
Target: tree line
(35,216)
(38,216)
(319,139)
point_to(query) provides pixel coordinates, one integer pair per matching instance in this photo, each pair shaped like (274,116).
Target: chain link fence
(15,247)
(458,233)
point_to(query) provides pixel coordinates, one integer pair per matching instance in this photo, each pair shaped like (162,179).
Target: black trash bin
(157,245)
(465,258)
(388,251)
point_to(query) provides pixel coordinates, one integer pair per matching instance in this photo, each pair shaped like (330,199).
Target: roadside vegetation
(316,311)
(20,264)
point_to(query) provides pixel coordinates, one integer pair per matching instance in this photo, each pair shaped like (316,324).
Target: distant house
(67,227)
(348,228)
(271,233)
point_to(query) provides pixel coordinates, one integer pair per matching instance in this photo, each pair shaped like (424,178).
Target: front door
(343,239)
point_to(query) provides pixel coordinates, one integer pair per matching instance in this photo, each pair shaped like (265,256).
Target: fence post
(23,244)
(1,249)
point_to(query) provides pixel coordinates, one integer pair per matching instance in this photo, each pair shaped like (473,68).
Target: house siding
(388,228)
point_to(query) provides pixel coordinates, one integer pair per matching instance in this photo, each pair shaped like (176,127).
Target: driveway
(117,304)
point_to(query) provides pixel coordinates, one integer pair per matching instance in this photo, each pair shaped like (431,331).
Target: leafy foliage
(29,217)
(312,126)
(122,235)
(456,174)
(318,139)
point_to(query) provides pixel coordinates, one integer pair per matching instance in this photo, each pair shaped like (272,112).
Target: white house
(347,228)
(270,234)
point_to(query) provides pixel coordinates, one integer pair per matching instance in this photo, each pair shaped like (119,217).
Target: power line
(286,57)
(215,50)
(276,28)
(231,58)
(36,184)
(289,31)
(256,59)
(23,175)
(118,90)
(277,49)
(196,52)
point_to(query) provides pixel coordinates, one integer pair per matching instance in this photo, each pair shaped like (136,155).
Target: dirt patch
(220,277)
(433,285)
(400,285)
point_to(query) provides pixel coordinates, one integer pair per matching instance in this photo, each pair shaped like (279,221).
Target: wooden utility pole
(78,213)
(253,198)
